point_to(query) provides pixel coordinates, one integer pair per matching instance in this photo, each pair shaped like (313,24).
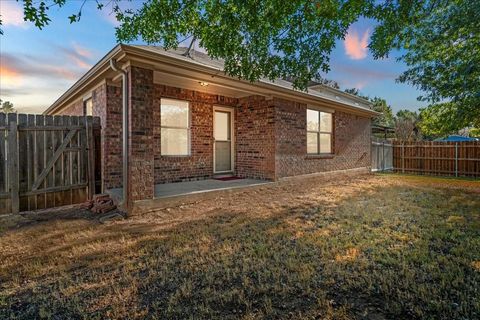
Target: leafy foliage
(6,106)
(443,55)
(270,38)
(387,118)
(407,126)
(475,132)
(378,104)
(279,39)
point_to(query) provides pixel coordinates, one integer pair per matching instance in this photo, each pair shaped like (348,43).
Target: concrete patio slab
(172,194)
(200,186)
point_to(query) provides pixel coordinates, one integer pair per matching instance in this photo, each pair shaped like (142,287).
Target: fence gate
(46,161)
(382,155)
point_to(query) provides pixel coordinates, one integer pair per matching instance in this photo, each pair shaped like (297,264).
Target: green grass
(377,247)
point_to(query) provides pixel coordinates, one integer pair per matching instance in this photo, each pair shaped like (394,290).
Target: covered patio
(171,194)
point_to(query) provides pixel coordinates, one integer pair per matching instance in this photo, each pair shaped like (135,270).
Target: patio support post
(141,140)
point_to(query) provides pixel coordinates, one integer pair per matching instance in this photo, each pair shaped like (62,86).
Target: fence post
(13,165)
(383,156)
(456,159)
(91,156)
(403,158)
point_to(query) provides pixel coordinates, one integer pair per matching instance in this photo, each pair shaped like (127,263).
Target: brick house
(189,121)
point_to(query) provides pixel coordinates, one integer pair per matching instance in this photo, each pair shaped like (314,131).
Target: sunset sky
(37,66)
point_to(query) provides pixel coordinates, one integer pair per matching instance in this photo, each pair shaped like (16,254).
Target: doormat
(227,178)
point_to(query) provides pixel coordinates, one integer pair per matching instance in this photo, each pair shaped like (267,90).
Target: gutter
(114,66)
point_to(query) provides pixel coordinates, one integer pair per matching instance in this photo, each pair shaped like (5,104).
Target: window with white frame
(88,103)
(175,127)
(319,132)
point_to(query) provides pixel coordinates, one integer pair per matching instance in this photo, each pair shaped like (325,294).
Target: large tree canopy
(279,39)
(443,56)
(256,38)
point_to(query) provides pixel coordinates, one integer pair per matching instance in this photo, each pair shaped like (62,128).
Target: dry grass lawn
(373,247)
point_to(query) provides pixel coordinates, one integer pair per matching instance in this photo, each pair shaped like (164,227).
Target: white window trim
(232,137)
(189,130)
(319,132)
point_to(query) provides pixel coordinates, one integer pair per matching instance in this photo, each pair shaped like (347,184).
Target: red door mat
(227,178)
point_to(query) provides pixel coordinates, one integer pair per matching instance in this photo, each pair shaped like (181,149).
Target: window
(175,127)
(88,107)
(319,132)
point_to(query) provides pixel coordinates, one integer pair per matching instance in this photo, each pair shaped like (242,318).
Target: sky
(37,66)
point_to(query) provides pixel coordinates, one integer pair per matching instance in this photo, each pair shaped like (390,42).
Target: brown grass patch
(373,247)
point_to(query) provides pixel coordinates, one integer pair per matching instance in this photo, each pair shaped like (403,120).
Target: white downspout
(113,65)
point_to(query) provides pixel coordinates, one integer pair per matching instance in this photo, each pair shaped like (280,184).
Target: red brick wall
(75,109)
(199,164)
(270,136)
(141,140)
(351,142)
(110,112)
(255,138)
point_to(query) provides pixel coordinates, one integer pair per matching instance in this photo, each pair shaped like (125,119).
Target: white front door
(223,145)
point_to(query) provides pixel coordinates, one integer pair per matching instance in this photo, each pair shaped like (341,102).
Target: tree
(380,105)
(269,38)
(329,83)
(439,120)
(353,91)
(475,132)
(407,126)
(279,39)
(6,106)
(443,56)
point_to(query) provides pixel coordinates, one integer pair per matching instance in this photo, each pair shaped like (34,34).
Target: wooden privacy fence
(460,159)
(382,155)
(46,161)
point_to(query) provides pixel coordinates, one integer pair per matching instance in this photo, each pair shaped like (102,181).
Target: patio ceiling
(199,84)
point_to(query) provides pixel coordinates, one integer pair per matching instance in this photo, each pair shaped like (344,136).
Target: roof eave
(200,67)
(128,52)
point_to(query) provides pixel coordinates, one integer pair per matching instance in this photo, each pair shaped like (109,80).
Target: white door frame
(232,138)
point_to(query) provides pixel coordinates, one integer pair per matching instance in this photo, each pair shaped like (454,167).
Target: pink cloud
(78,55)
(12,14)
(82,51)
(356,46)
(23,66)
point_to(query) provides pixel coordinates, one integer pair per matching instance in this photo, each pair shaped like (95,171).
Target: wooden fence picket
(46,161)
(460,159)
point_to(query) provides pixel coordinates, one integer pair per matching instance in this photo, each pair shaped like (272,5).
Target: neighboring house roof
(199,62)
(456,138)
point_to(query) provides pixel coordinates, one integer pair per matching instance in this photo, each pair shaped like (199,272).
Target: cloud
(31,80)
(12,14)
(369,73)
(356,46)
(348,75)
(78,55)
(21,66)
(82,51)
